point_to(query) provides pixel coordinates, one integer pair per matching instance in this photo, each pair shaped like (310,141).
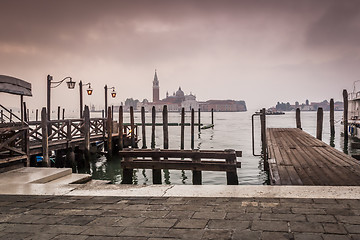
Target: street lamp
(113,95)
(70,85)
(89,92)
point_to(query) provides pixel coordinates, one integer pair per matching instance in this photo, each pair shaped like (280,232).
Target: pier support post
(298,119)
(127,176)
(87,132)
(345,115)
(165,127)
(70,158)
(263,137)
(199,120)
(121,128)
(196,175)
(143,128)
(212,116)
(132,127)
(109,132)
(332,118)
(319,123)
(45,138)
(192,128)
(182,135)
(231,176)
(153,119)
(156,173)
(63,114)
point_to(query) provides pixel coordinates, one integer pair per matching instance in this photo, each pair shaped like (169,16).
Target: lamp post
(89,92)
(113,95)
(70,84)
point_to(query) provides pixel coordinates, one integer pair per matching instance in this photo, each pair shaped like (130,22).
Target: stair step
(74,178)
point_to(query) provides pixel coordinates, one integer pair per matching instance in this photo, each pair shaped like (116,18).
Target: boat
(271,112)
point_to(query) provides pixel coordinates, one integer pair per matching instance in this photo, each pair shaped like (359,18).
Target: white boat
(354,112)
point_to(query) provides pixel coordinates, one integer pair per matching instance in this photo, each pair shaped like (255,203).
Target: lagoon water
(232,130)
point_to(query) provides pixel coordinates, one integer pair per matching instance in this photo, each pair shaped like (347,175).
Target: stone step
(74,178)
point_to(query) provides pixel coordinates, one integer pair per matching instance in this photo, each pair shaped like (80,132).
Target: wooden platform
(297,158)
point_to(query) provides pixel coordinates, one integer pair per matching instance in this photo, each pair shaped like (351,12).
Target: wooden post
(263,133)
(112,111)
(63,114)
(199,120)
(165,128)
(10,115)
(22,112)
(2,116)
(87,132)
(231,176)
(156,173)
(196,175)
(25,112)
(182,140)
(298,119)
(109,132)
(132,127)
(37,115)
(28,115)
(192,128)
(106,102)
(153,127)
(121,128)
(319,123)
(102,113)
(127,172)
(45,140)
(332,118)
(143,128)
(212,116)
(345,115)
(59,110)
(81,98)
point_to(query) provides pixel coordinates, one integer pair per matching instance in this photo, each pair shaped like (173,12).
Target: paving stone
(78,220)
(81,212)
(103,231)
(41,236)
(143,232)
(275,226)
(340,211)
(321,218)
(348,219)
(325,201)
(115,238)
(21,228)
(296,200)
(217,234)
(317,211)
(72,237)
(105,221)
(306,227)
(334,228)
(180,214)
(246,234)
(46,219)
(209,215)
(43,211)
(154,214)
(191,223)
(123,213)
(281,210)
(352,228)
(184,233)
(308,236)
(335,237)
(128,222)
(158,223)
(15,236)
(355,236)
(258,210)
(285,217)
(69,229)
(242,216)
(228,224)
(138,207)
(275,235)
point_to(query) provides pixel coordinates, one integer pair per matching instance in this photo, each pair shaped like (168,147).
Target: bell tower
(156,88)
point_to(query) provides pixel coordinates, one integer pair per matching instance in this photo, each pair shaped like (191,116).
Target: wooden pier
(297,158)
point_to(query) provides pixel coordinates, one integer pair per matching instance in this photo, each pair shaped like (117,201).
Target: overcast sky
(258,51)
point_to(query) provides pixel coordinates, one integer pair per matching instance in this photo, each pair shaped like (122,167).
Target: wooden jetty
(297,158)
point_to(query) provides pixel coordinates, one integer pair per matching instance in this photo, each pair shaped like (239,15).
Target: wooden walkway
(297,158)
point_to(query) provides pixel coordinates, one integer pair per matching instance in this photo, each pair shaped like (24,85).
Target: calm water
(232,130)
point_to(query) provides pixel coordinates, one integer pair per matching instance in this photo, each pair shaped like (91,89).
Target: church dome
(180,93)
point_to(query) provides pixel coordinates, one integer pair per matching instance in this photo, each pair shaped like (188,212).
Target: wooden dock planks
(297,158)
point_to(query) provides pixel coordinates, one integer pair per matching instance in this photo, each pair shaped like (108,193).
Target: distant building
(156,89)
(223,106)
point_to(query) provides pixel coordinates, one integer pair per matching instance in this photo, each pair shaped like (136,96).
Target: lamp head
(70,84)
(113,93)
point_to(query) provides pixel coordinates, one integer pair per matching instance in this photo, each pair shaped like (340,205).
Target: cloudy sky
(258,51)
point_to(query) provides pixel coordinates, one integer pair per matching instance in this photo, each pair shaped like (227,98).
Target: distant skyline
(261,51)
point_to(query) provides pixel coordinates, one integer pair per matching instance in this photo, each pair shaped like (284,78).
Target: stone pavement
(111,217)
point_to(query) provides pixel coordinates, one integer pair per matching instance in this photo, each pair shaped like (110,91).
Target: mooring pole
(153,119)
(109,132)
(182,140)
(212,116)
(298,119)
(121,128)
(192,128)
(345,115)
(143,128)
(87,132)
(165,128)
(332,118)
(199,121)
(45,139)
(319,123)
(132,127)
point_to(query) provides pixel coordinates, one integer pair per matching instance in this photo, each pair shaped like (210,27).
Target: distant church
(174,102)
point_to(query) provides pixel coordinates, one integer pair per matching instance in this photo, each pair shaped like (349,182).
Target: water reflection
(332,141)
(183,177)
(146,179)
(167,176)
